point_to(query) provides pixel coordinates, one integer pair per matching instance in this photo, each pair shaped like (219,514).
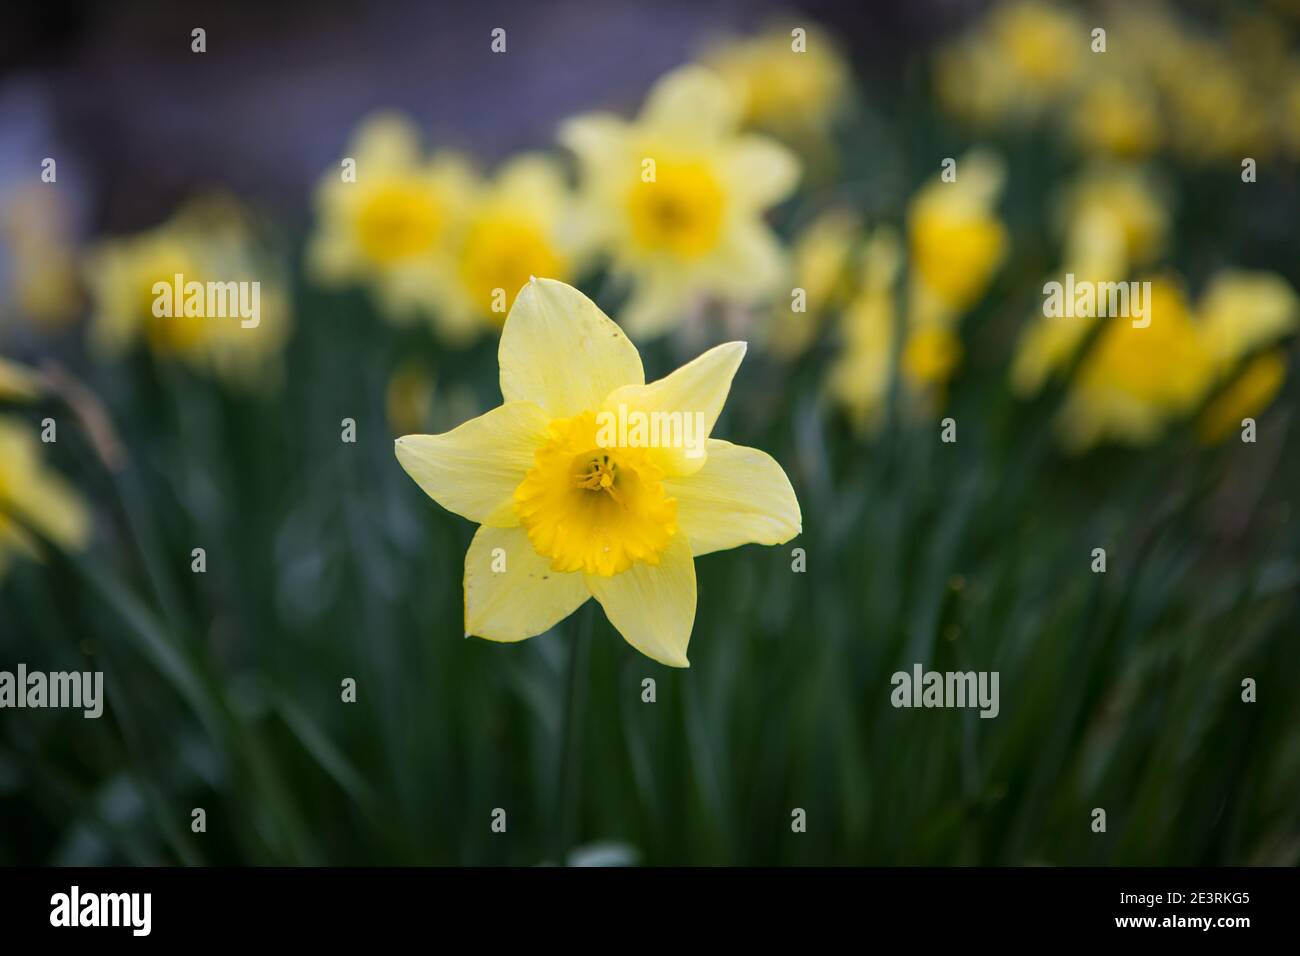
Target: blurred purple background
(138,122)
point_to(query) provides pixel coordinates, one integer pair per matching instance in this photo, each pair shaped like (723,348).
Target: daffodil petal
(692,99)
(511,593)
(1243,311)
(692,397)
(653,605)
(765,170)
(386,142)
(751,264)
(53,507)
(475,468)
(17,382)
(660,300)
(559,351)
(593,136)
(740,496)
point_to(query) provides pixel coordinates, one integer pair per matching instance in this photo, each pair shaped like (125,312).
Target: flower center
(680,212)
(594,509)
(398,220)
(501,253)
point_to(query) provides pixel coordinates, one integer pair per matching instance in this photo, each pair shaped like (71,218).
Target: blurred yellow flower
(17,382)
(1245,397)
(677,198)
(1112,219)
(520,225)
(1160,81)
(1213,111)
(572,508)
(1117,115)
(1015,63)
(1243,311)
(790,80)
(33,496)
(36,232)
(233,323)
(822,256)
(386,218)
(1121,204)
(1044,44)
(956,241)
(1134,381)
(860,376)
(930,356)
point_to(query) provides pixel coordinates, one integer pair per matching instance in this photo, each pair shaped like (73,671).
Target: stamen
(600,475)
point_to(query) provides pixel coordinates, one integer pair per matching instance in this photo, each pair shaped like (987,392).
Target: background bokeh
(325,561)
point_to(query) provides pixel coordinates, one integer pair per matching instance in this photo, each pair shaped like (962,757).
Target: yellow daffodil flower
(677,198)
(1135,380)
(33,496)
(1243,311)
(1213,109)
(1117,115)
(1044,44)
(521,224)
(386,217)
(821,257)
(1016,63)
(931,350)
(17,382)
(790,79)
(210,243)
(1245,397)
(956,240)
(36,230)
(1113,219)
(860,376)
(571,510)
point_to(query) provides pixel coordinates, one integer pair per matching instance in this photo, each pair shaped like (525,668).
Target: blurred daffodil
(33,496)
(1242,315)
(1117,115)
(1044,44)
(1210,99)
(677,198)
(519,225)
(1016,62)
(1213,108)
(386,218)
(956,241)
(36,232)
(859,379)
(1244,397)
(17,382)
(790,80)
(571,510)
(1134,381)
(1113,219)
(199,288)
(822,259)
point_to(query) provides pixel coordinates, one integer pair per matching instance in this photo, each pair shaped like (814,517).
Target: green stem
(567,804)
